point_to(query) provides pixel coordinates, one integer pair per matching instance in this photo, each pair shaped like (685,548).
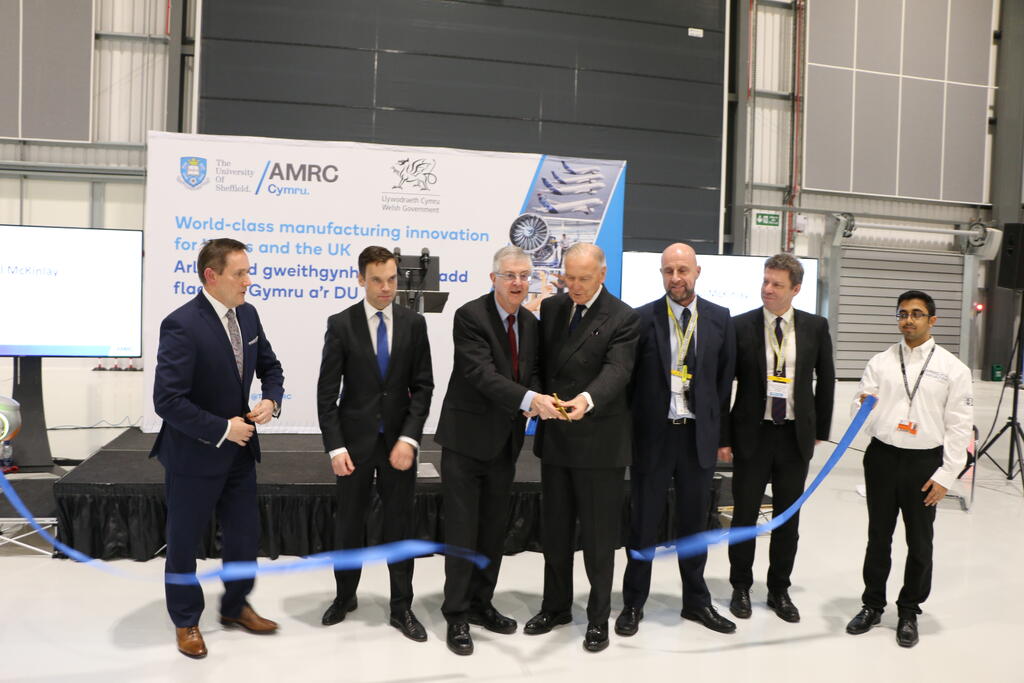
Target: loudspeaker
(1011,257)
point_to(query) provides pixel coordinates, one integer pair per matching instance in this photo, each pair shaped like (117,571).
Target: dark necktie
(513,346)
(235,336)
(577,317)
(382,345)
(688,361)
(779,404)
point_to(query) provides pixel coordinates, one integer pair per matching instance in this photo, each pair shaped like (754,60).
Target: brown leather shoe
(190,642)
(250,621)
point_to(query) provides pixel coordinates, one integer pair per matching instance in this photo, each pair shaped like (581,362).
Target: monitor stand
(32,445)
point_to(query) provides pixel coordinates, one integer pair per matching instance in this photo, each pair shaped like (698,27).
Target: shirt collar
(502,313)
(677,308)
(371,311)
(770,317)
(220,309)
(919,350)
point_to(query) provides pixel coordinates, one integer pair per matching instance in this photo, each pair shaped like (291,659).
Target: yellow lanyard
(683,339)
(779,348)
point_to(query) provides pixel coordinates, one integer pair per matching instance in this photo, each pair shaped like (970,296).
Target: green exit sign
(768,219)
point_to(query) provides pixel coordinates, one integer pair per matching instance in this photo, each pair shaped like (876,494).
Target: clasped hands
(241,431)
(552,408)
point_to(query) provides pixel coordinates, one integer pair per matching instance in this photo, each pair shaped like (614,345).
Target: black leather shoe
(865,619)
(596,638)
(906,632)
(493,620)
(543,622)
(459,640)
(628,621)
(740,603)
(339,608)
(784,607)
(409,625)
(710,618)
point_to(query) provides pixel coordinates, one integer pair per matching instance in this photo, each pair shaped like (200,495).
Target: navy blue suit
(196,391)
(685,453)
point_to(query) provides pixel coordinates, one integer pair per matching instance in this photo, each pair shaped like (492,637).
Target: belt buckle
(679,420)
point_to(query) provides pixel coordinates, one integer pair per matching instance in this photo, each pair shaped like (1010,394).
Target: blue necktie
(382,346)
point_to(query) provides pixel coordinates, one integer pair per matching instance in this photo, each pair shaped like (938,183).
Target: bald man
(682,386)
(588,343)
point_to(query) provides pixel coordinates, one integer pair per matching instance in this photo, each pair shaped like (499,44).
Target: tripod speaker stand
(1012,428)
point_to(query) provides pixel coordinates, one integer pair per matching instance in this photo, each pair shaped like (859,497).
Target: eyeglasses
(914,315)
(522,277)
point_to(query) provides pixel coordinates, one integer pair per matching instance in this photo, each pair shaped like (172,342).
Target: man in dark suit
(588,342)
(378,355)
(681,387)
(494,383)
(210,348)
(778,417)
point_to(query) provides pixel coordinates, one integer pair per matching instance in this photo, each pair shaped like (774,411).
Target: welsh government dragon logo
(418,173)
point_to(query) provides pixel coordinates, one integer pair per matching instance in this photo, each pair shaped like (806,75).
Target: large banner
(306,209)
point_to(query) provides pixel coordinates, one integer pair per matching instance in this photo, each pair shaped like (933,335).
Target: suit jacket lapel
(399,336)
(803,355)
(592,318)
(759,349)
(661,337)
(361,328)
(220,336)
(524,343)
(501,332)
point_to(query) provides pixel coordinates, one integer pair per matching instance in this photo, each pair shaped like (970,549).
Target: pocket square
(254,340)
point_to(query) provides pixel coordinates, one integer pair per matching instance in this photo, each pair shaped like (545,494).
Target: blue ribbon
(233,571)
(698,544)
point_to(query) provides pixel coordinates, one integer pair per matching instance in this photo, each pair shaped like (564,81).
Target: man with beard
(682,384)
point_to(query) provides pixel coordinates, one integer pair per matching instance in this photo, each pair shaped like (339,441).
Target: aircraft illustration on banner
(581,180)
(580,170)
(574,188)
(580,206)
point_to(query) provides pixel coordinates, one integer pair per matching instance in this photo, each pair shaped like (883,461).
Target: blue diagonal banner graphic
(696,544)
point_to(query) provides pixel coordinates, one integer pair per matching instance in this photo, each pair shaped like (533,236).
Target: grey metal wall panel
(657,216)
(551,38)
(10,67)
(463,86)
(970,41)
(870,282)
(875,133)
(294,73)
(924,39)
(282,119)
(453,130)
(56,86)
(921,138)
(878,35)
(708,14)
(828,128)
(303,22)
(830,36)
(966,125)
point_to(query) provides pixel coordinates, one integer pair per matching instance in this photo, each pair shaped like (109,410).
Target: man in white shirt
(381,353)
(920,431)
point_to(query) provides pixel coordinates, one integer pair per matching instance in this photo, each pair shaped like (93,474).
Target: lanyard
(906,384)
(682,338)
(778,347)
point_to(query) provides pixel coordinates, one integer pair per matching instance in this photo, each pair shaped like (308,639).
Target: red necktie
(512,345)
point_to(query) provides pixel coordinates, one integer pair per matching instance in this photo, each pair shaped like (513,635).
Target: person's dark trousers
(649,492)
(476,507)
(893,478)
(776,459)
(594,495)
(191,504)
(397,490)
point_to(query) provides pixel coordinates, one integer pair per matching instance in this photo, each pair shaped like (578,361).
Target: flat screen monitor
(732,281)
(70,292)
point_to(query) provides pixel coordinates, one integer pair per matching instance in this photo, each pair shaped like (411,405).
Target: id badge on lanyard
(780,387)
(908,426)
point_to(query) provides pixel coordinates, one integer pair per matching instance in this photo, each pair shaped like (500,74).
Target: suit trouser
(649,492)
(594,495)
(191,504)
(397,490)
(893,478)
(775,459)
(476,509)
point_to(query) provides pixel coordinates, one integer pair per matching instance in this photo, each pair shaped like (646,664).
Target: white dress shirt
(789,339)
(524,405)
(373,322)
(222,314)
(673,341)
(572,311)
(943,407)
